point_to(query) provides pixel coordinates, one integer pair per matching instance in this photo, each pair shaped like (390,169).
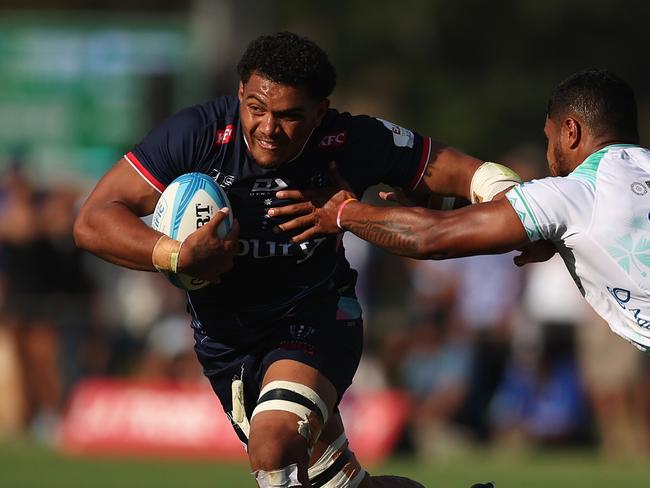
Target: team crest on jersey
(301,331)
(401,137)
(335,139)
(224,135)
(638,188)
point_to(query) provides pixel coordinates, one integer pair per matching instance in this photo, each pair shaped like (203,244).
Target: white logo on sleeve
(401,137)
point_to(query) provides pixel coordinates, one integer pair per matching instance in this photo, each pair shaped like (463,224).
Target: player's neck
(612,140)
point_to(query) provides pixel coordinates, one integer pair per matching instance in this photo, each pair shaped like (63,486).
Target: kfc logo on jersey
(333,140)
(223,136)
(401,137)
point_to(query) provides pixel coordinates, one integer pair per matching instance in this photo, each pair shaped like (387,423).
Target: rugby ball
(188,203)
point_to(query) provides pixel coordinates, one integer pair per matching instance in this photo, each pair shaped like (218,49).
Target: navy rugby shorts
(329,339)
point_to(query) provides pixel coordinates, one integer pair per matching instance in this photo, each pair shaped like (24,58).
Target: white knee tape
(298,399)
(279,478)
(290,406)
(348,474)
(329,456)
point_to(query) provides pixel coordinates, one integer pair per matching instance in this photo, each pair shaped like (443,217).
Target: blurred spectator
(540,400)
(436,374)
(25,254)
(551,303)
(46,294)
(489,289)
(169,352)
(615,376)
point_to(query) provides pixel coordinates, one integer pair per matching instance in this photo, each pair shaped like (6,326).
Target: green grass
(25,465)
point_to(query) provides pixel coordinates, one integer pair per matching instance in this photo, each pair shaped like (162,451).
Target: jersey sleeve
(387,153)
(552,208)
(172,148)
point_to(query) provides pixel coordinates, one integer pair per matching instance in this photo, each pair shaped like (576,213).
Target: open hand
(316,210)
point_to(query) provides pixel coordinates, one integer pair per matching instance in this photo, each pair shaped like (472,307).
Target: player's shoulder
(605,167)
(568,186)
(339,128)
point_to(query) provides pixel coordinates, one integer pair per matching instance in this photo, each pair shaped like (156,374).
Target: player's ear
(321,110)
(240,91)
(573,130)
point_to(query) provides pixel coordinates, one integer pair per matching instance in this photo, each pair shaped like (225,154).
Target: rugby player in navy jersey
(279,332)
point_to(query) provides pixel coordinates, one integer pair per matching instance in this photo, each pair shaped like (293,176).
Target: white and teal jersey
(599,218)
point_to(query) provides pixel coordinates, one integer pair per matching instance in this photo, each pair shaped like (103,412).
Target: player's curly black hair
(289,59)
(603,100)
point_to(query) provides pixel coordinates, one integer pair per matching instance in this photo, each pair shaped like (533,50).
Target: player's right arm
(109,226)
(420,233)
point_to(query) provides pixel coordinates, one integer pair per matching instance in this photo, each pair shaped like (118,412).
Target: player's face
(557,159)
(277,119)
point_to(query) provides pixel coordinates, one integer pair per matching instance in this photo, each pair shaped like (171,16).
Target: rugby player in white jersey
(593,210)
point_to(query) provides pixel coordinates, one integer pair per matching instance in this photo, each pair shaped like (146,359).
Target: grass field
(22,465)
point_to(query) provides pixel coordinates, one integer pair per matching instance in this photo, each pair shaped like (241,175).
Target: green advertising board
(74,90)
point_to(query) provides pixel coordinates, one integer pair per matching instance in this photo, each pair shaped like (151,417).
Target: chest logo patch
(336,139)
(223,135)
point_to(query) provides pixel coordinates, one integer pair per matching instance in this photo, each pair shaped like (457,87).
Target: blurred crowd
(487,353)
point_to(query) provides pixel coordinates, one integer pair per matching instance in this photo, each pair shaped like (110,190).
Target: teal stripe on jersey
(588,169)
(525,214)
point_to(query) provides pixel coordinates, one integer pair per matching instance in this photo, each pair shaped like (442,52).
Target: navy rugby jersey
(272,276)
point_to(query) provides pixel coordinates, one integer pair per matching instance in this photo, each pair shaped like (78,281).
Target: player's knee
(275,442)
(293,401)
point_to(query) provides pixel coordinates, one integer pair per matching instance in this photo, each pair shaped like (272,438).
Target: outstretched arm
(488,228)
(415,232)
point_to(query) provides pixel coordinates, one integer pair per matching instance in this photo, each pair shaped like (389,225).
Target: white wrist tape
(491,179)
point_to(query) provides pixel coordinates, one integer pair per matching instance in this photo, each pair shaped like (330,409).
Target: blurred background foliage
(83,81)
(469,341)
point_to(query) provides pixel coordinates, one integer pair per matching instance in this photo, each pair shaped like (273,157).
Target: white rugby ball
(188,203)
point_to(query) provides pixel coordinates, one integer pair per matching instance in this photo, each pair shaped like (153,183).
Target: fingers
(296,223)
(389,196)
(217,218)
(305,236)
(520,260)
(526,258)
(299,195)
(293,209)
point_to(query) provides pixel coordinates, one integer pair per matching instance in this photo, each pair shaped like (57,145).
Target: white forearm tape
(491,179)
